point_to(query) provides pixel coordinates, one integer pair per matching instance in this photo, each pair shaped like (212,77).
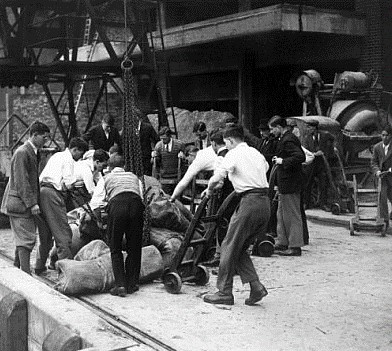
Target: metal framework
(42,42)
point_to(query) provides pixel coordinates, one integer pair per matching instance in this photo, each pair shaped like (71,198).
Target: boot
(16,259)
(24,258)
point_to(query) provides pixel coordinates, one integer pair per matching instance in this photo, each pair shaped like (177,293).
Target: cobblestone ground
(336,296)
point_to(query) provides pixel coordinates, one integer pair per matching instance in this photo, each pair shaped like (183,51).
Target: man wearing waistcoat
(167,153)
(123,192)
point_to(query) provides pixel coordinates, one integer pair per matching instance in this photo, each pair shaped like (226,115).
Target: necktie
(316,142)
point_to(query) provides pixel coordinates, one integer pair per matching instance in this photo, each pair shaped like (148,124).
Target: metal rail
(125,329)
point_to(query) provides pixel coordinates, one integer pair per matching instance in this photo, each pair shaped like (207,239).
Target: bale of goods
(168,242)
(91,270)
(165,214)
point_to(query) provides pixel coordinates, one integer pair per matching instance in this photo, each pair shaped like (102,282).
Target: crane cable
(131,133)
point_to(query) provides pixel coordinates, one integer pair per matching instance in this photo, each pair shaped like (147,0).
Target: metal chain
(131,141)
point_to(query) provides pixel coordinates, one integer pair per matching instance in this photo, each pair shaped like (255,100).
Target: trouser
(249,218)
(290,228)
(125,216)
(54,212)
(147,166)
(25,236)
(385,195)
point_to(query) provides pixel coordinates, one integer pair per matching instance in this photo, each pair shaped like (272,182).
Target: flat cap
(165,131)
(312,123)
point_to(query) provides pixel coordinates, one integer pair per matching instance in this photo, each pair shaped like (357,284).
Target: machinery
(350,105)
(352,117)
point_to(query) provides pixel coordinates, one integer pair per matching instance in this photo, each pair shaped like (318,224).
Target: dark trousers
(250,218)
(125,217)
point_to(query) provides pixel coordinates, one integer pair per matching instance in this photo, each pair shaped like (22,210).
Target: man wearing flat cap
(266,144)
(168,155)
(321,143)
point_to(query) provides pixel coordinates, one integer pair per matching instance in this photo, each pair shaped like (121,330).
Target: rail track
(120,325)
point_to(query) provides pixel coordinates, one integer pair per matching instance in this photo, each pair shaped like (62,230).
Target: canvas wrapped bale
(169,215)
(153,187)
(167,241)
(91,270)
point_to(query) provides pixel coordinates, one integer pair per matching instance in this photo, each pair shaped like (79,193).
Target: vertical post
(245,86)
(62,339)
(13,323)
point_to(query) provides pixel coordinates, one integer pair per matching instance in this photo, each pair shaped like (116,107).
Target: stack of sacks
(91,269)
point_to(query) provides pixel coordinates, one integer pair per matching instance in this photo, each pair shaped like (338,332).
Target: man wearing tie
(167,153)
(21,196)
(381,164)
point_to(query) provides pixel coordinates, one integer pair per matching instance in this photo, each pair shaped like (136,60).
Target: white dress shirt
(83,171)
(245,167)
(204,161)
(309,156)
(59,170)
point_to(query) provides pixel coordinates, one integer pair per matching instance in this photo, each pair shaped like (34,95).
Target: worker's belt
(51,186)
(261,191)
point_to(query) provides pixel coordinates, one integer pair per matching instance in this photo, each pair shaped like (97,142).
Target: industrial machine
(352,117)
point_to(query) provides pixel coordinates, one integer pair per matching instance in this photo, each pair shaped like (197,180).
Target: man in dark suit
(289,158)
(266,144)
(321,143)
(148,139)
(202,136)
(103,136)
(21,196)
(381,164)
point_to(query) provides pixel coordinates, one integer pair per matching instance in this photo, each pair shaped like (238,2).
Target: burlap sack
(165,214)
(91,270)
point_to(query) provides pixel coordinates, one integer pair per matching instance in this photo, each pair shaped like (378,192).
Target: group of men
(34,201)
(234,159)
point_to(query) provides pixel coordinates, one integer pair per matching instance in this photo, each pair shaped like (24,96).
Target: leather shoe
(132,289)
(256,296)
(281,247)
(219,298)
(118,291)
(39,271)
(294,251)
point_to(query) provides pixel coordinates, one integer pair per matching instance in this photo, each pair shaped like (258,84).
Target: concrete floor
(336,296)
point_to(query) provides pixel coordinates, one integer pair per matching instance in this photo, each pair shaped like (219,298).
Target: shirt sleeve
(99,195)
(88,178)
(222,169)
(68,176)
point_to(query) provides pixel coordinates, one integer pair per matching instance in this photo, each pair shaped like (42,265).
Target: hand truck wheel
(335,209)
(172,282)
(202,276)
(270,238)
(265,248)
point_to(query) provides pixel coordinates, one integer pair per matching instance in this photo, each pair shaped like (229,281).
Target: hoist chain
(131,142)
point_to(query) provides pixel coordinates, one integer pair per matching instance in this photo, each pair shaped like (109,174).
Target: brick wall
(372,50)
(34,105)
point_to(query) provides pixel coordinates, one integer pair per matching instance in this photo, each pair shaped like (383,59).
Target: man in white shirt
(56,179)
(246,169)
(87,174)
(204,161)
